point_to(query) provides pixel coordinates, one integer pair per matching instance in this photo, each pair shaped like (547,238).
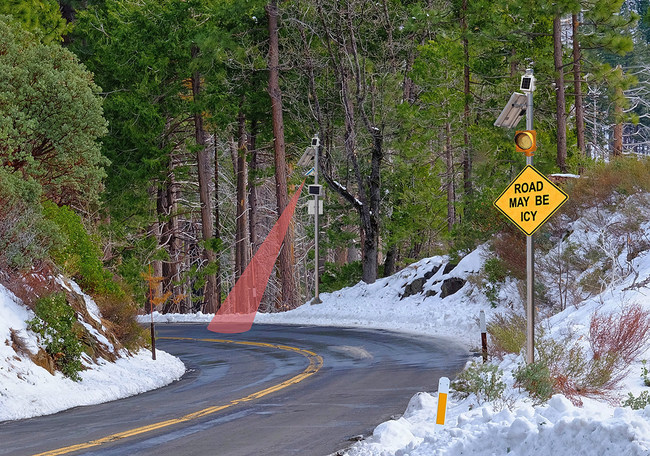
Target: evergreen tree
(51,118)
(40,16)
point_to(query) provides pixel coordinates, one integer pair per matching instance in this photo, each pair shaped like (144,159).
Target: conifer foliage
(203,150)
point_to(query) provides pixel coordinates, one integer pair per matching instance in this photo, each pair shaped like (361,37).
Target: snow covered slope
(27,389)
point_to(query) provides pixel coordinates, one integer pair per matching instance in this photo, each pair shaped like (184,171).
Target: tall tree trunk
(617,149)
(209,298)
(370,215)
(286,264)
(467,157)
(217,223)
(167,206)
(252,187)
(238,267)
(451,193)
(370,190)
(156,232)
(368,199)
(390,260)
(187,257)
(241,225)
(577,84)
(560,100)
(350,72)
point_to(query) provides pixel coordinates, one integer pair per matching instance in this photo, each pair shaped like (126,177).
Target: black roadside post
(483,327)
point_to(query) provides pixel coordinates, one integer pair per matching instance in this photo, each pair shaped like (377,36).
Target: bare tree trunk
(217,223)
(252,188)
(577,84)
(451,193)
(408,90)
(370,217)
(350,72)
(287,260)
(209,298)
(365,203)
(617,149)
(186,259)
(241,236)
(467,157)
(238,267)
(389,261)
(168,209)
(156,232)
(560,100)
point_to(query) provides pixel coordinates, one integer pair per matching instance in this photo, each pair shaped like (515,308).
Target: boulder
(451,286)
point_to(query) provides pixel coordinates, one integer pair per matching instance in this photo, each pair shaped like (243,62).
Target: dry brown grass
(603,181)
(31,285)
(625,333)
(616,340)
(510,247)
(119,315)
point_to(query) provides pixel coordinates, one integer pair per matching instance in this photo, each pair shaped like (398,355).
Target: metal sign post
(315,142)
(530,245)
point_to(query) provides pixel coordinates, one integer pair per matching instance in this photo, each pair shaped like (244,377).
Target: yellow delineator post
(443,392)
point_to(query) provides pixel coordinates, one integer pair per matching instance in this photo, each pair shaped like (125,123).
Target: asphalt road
(295,390)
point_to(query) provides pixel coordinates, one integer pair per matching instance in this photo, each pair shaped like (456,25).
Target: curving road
(275,390)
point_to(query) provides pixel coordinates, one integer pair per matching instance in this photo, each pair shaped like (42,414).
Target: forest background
(160,138)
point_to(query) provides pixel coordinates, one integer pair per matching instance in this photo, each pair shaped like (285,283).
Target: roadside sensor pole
(530,252)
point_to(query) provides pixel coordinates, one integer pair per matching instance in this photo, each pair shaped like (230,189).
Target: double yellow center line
(315,363)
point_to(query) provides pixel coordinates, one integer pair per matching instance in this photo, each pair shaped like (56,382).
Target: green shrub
(79,254)
(482,380)
(56,323)
(495,273)
(495,270)
(535,378)
(637,403)
(25,235)
(337,276)
(645,373)
(570,371)
(507,333)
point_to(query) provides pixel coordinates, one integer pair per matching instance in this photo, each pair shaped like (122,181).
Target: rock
(451,286)
(44,360)
(449,267)
(414,287)
(417,286)
(431,273)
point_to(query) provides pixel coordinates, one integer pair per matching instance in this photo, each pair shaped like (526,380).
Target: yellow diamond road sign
(530,200)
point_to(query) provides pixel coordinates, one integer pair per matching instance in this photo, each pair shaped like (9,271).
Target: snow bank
(557,428)
(28,390)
